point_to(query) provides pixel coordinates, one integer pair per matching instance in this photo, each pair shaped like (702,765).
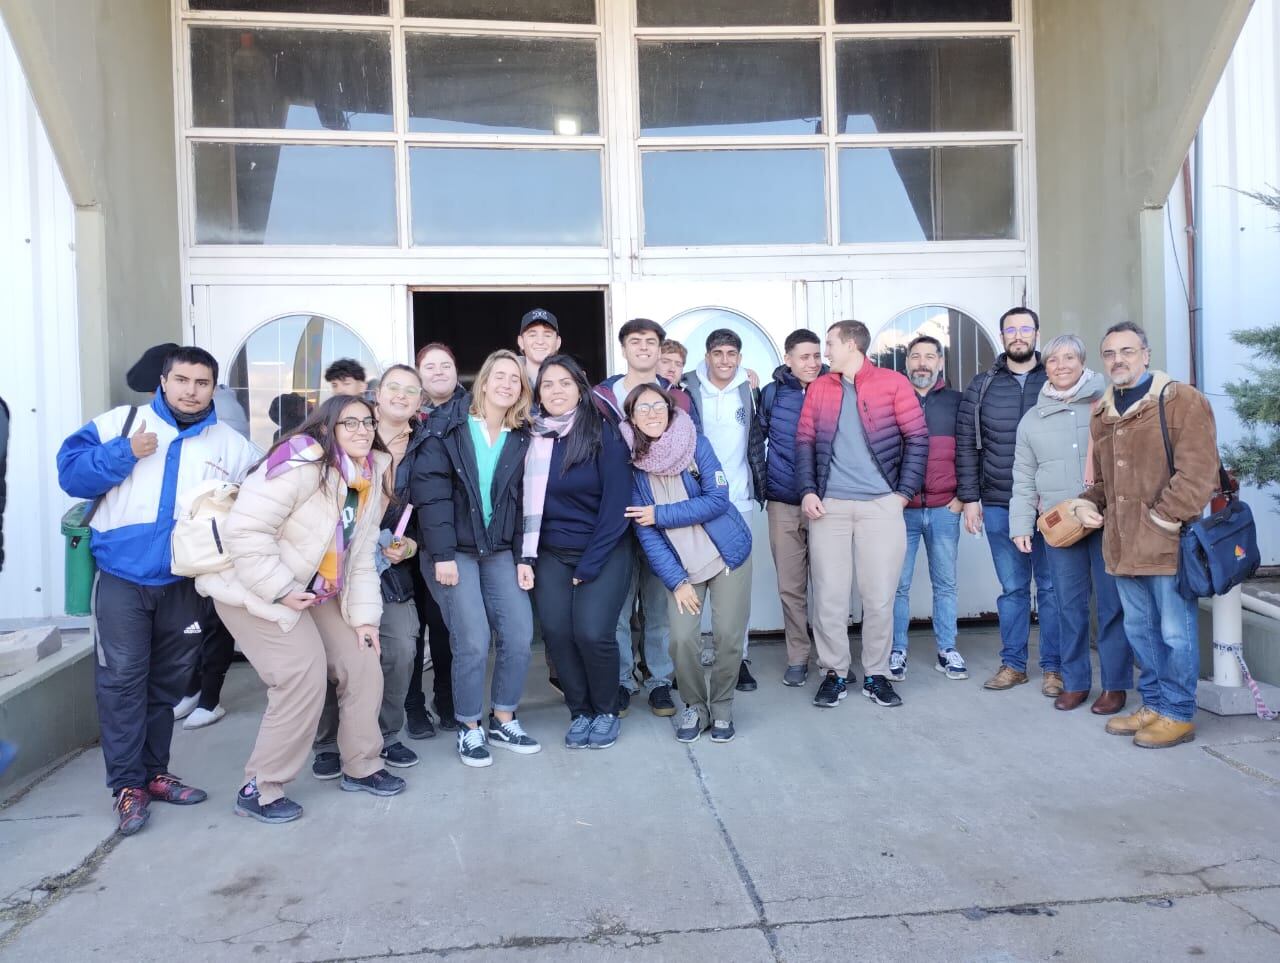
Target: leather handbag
(1060,526)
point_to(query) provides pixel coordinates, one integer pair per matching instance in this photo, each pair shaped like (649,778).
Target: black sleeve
(431,488)
(968,457)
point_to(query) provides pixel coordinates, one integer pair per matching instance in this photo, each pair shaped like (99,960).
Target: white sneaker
(897,665)
(951,664)
(204,717)
(183,708)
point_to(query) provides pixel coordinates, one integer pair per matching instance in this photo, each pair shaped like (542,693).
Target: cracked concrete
(965,825)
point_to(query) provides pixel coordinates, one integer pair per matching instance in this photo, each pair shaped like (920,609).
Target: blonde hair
(517,415)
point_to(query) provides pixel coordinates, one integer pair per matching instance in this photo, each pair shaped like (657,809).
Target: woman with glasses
(577,483)
(302,598)
(467,485)
(698,545)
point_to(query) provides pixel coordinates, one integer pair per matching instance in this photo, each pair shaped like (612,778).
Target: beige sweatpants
(789,542)
(295,666)
(873,536)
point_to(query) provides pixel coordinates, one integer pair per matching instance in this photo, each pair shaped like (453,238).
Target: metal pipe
(1261,606)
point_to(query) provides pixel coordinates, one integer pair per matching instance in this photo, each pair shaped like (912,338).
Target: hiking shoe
(579,733)
(605,729)
(326,765)
(185,706)
(796,675)
(660,701)
(418,724)
(380,783)
(201,717)
(447,721)
(898,665)
(879,690)
(1006,678)
(746,681)
(283,810)
(951,665)
(831,691)
(722,731)
(399,756)
(472,750)
(131,808)
(169,788)
(511,735)
(624,701)
(690,726)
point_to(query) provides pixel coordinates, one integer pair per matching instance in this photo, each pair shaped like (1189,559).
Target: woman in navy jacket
(696,543)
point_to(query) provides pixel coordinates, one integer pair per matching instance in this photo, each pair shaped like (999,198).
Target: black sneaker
(418,724)
(660,701)
(399,756)
(472,748)
(283,810)
(511,735)
(327,765)
(624,701)
(131,808)
(380,783)
(746,681)
(879,690)
(690,726)
(722,731)
(445,719)
(830,692)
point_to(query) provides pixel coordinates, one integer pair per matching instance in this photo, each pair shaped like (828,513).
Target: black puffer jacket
(987,435)
(397,580)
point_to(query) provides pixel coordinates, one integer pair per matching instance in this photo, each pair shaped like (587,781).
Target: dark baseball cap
(539,316)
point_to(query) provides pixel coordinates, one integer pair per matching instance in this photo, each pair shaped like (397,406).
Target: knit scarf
(1065,395)
(537,471)
(670,453)
(305,450)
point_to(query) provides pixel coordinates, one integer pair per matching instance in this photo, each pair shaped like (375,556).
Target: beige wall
(101,72)
(1120,87)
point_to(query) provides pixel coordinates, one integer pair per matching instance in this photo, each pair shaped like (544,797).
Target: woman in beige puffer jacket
(303,599)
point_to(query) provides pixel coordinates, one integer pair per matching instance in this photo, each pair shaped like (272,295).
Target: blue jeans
(1076,570)
(941,530)
(657,639)
(1162,628)
(1014,570)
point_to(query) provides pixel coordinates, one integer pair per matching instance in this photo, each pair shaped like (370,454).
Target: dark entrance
(475,323)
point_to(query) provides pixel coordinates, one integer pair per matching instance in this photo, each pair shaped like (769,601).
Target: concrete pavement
(965,825)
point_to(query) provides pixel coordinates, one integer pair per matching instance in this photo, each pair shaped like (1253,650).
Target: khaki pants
(789,542)
(295,665)
(873,536)
(729,596)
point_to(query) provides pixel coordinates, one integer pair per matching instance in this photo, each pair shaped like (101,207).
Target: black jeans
(578,625)
(217,650)
(441,653)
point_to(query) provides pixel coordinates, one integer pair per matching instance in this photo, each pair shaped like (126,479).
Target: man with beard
(934,515)
(986,436)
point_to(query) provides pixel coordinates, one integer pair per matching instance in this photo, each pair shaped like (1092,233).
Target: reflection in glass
(290,79)
(927,194)
(926,84)
(725,13)
(536,11)
(692,327)
(730,87)
(504,197)
(277,376)
(967,348)
(502,85)
(294,194)
(923,11)
(353,8)
(733,197)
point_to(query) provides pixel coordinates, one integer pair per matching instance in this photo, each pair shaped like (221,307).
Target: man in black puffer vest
(986,433)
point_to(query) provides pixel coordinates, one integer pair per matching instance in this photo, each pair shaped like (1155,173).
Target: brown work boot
(1128,725)
(1006,678)
(1109,703)
(1069,700)
(1051,685)
(1164,733)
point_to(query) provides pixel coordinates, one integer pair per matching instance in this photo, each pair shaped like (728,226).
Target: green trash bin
(80,568)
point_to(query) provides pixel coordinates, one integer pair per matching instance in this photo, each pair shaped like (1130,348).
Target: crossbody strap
(124,433)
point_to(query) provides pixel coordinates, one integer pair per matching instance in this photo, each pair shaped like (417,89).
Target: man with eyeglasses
(986,436)
(1145,494)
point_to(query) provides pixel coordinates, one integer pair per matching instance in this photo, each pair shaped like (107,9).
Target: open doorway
(475,323)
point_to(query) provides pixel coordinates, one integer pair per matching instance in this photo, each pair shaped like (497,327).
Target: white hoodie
(724,422)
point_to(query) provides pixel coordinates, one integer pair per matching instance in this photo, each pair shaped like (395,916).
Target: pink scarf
(669,454)
(537,472)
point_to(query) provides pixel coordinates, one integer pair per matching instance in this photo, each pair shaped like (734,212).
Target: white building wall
(40,379)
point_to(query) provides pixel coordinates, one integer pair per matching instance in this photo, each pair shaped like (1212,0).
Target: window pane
(923,11)
(725,13)
(730,87)
(482,196)
(691,328)
(927,194)
(892,86)
(733,197)
(290,79)
(966,346)
(538,11)
(355,8)
(502,85)
(294,194)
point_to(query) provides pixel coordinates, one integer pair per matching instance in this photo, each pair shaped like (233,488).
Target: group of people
(539,503)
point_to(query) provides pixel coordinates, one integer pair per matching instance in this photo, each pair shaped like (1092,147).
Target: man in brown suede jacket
(1144,506)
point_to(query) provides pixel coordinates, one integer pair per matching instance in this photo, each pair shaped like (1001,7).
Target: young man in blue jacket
(147,620)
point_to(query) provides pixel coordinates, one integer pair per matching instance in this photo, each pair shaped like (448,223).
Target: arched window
(967,347)
(691,328)
(278,373)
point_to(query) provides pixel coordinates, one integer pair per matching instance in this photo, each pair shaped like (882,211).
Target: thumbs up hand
(143,442)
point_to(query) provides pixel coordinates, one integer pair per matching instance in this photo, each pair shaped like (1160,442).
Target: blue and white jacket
(131,530)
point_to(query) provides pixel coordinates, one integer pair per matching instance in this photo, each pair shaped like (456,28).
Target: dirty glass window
(353,8)
(537,11)
(725,13)
(966,345)
(923,11)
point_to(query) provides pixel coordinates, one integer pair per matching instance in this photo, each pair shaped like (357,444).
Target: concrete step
(23,649)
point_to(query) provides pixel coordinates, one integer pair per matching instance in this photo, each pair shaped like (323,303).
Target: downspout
(1196,242)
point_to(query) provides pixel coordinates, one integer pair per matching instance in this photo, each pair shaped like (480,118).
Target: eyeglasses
(1127,353)
(651,408)
(1022,329)
(355,424)
(411,391)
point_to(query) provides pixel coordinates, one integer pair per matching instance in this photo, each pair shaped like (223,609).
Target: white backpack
(197,544)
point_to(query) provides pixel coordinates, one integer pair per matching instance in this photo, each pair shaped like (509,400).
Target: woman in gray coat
(1054,461)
